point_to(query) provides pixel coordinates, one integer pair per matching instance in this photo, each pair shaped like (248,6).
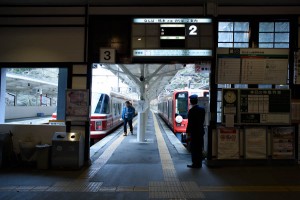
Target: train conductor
(195,131)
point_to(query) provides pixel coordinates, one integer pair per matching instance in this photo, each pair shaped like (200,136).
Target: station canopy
(152,77)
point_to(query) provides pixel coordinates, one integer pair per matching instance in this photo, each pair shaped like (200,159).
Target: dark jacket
(128,112)
(196,117)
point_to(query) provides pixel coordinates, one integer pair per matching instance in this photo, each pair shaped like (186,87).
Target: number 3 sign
(107,55)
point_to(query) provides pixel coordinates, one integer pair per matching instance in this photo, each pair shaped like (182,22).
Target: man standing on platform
(127,116)
(195,131)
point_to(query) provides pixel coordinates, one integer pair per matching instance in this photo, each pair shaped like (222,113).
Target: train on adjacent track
(106,113)
(174,108)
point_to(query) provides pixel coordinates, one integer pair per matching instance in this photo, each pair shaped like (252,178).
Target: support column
(2,94)
(61,93)
(141,129)
(142,117)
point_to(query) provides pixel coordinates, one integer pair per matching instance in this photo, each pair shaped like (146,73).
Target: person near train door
(195,131)
(127,116)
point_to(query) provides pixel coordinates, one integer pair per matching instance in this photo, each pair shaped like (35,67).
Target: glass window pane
(241,26)
(282,27)
(263,86)
(225,26)
(266,27)
(219,117)
(219,106)
(241,37)
(219,96)
(282,37)
(281,45)
(225,37)
(225,45)
(241,86)
(241,45)
(265,45)
(266,37)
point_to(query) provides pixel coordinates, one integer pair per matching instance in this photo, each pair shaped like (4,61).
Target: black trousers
(129,121)
(196,148)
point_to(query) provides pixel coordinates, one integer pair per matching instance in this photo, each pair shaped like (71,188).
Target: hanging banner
(228,143)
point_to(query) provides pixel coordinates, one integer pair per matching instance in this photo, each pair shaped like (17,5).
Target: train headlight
(98,125)
(178,119)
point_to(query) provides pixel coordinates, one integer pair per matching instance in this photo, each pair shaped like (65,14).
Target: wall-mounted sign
(107,55)
(171,37)
(256,106)
(171,52)
(252,66)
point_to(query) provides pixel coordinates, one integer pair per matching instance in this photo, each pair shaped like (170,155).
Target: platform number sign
(107,55)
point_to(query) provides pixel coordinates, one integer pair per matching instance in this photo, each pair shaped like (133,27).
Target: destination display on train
(179,36)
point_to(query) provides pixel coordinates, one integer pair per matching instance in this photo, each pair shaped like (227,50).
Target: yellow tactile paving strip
(171,187)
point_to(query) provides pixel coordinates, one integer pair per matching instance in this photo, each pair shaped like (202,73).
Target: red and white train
(174,108)
(106,113)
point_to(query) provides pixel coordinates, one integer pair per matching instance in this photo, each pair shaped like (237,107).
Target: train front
(180,108)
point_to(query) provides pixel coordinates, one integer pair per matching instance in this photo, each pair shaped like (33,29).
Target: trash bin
(67,150)
(43,156)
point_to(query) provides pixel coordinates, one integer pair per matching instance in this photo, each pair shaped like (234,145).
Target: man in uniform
(195,130)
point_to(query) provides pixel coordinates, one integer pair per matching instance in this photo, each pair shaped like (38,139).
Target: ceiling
(150,2)
(153,76)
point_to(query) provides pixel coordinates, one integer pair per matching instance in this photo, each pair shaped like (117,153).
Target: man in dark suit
(195,130)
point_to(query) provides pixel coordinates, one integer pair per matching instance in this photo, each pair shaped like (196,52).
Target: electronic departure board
(156,37)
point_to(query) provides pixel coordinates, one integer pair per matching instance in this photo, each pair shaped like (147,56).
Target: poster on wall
(283,142)
(77,105)
(256,143)
(252,66)
(228,143)
(297,68)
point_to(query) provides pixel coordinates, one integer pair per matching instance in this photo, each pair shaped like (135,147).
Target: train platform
(122,168)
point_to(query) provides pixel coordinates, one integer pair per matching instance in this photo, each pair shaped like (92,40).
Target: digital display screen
(172,35)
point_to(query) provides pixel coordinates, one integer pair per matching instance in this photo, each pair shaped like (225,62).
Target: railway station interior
(68,142)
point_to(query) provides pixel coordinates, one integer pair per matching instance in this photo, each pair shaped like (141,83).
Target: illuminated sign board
(178,37)
(171,52)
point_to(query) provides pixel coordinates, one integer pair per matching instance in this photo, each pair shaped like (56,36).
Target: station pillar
(141,128)
(142,109)
(2,94)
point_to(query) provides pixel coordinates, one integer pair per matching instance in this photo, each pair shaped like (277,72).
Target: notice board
(256,106)
(252,66)
(265,106)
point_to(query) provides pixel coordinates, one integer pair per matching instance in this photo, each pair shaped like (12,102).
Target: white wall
(14,112)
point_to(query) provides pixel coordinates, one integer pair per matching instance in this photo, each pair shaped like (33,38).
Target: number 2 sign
(107,55)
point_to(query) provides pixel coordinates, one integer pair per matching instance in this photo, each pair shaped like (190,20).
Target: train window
(103,104)
(181,104)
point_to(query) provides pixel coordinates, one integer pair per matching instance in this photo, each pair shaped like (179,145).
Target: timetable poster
(228,143)
(252,66)
(283,142)
(265,106)
(256,143)
(77,105)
